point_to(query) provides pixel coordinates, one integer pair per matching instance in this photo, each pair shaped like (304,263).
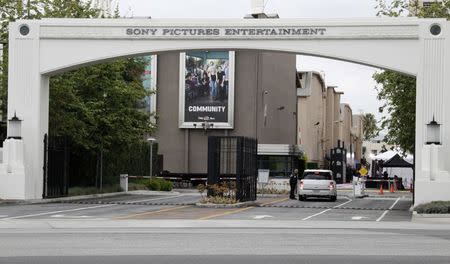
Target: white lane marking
(57,216)
(154,199)
(262,217)
(383,215)
(387,211)
(349,200)
(311,216)
(324,211)
(58,212)
(392,206)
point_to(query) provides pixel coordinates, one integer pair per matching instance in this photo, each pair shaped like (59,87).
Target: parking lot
(182,206)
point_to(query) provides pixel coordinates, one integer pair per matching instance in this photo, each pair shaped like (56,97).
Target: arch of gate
(41,48)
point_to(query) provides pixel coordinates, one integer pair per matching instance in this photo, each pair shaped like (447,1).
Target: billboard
(207,89)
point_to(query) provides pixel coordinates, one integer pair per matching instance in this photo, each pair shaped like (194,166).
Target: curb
(272,195)
(430,218)
(84,197)
(415,213)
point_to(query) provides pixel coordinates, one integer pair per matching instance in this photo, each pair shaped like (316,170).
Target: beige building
(323,121)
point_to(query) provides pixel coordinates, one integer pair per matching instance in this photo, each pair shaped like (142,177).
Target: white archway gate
(40,48)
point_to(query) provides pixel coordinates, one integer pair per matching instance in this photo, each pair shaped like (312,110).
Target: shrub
(201,189)
(436,207)
(166,186)
(219,200)
(158,185)
(153,185)
(224,193)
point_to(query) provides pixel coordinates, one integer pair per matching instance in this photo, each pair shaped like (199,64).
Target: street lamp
(15,127)
(433,133)
(151,140)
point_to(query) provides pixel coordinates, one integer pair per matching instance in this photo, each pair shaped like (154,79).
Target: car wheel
(333,198)
(301,197)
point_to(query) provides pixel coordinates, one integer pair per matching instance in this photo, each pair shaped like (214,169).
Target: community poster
(207,89)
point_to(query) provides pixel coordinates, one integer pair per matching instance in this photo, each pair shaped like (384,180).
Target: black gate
(56,158)
(235,158)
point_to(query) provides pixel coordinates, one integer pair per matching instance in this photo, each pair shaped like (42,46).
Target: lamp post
(151,140)
(433,133)
(15,127)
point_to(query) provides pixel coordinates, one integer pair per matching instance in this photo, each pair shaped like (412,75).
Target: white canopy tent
(402,172)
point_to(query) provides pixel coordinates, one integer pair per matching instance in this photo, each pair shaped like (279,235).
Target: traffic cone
(381,190)
(392,188)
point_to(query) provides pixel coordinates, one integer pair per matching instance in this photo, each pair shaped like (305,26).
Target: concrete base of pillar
(12,171)
(428,191)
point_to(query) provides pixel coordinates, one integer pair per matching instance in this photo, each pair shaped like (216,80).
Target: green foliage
(77,191)
(370,126)
(158,185)
(397,90)
(436,207)
(166,186)
(96,106)
(12,10)
(399,93)
(153,184)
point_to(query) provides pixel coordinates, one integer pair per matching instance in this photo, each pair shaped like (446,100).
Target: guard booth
(234,158)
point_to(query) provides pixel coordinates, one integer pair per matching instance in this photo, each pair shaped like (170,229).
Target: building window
(279,166)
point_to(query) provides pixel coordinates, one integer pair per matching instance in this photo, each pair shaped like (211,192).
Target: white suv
(317,183)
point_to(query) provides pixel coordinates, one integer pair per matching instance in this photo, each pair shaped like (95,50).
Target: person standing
(293,180)
(212,74)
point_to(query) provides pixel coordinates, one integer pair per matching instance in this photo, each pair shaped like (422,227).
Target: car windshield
(317,176)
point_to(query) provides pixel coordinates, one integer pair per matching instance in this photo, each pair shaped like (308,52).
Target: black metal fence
(56,164)
(235,158)
(67,166)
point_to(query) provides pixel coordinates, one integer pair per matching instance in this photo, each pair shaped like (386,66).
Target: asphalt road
(226,259)
(126,207)
(75,242)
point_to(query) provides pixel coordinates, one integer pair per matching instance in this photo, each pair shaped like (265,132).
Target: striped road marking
(385,212)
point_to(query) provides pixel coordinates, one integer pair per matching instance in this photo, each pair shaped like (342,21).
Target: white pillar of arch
(433,96)
(56,45)
(28,97)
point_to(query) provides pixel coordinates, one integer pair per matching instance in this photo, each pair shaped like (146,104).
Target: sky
(353,79)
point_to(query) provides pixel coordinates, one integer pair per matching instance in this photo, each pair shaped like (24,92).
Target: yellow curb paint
(152,212)
(276,201)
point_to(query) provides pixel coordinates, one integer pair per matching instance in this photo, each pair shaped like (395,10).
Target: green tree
(95,106)
(370,127)
(396,89)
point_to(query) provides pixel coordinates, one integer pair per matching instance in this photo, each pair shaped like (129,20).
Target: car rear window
(317,176)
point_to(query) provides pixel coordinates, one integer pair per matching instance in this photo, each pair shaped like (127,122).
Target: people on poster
(207,78)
